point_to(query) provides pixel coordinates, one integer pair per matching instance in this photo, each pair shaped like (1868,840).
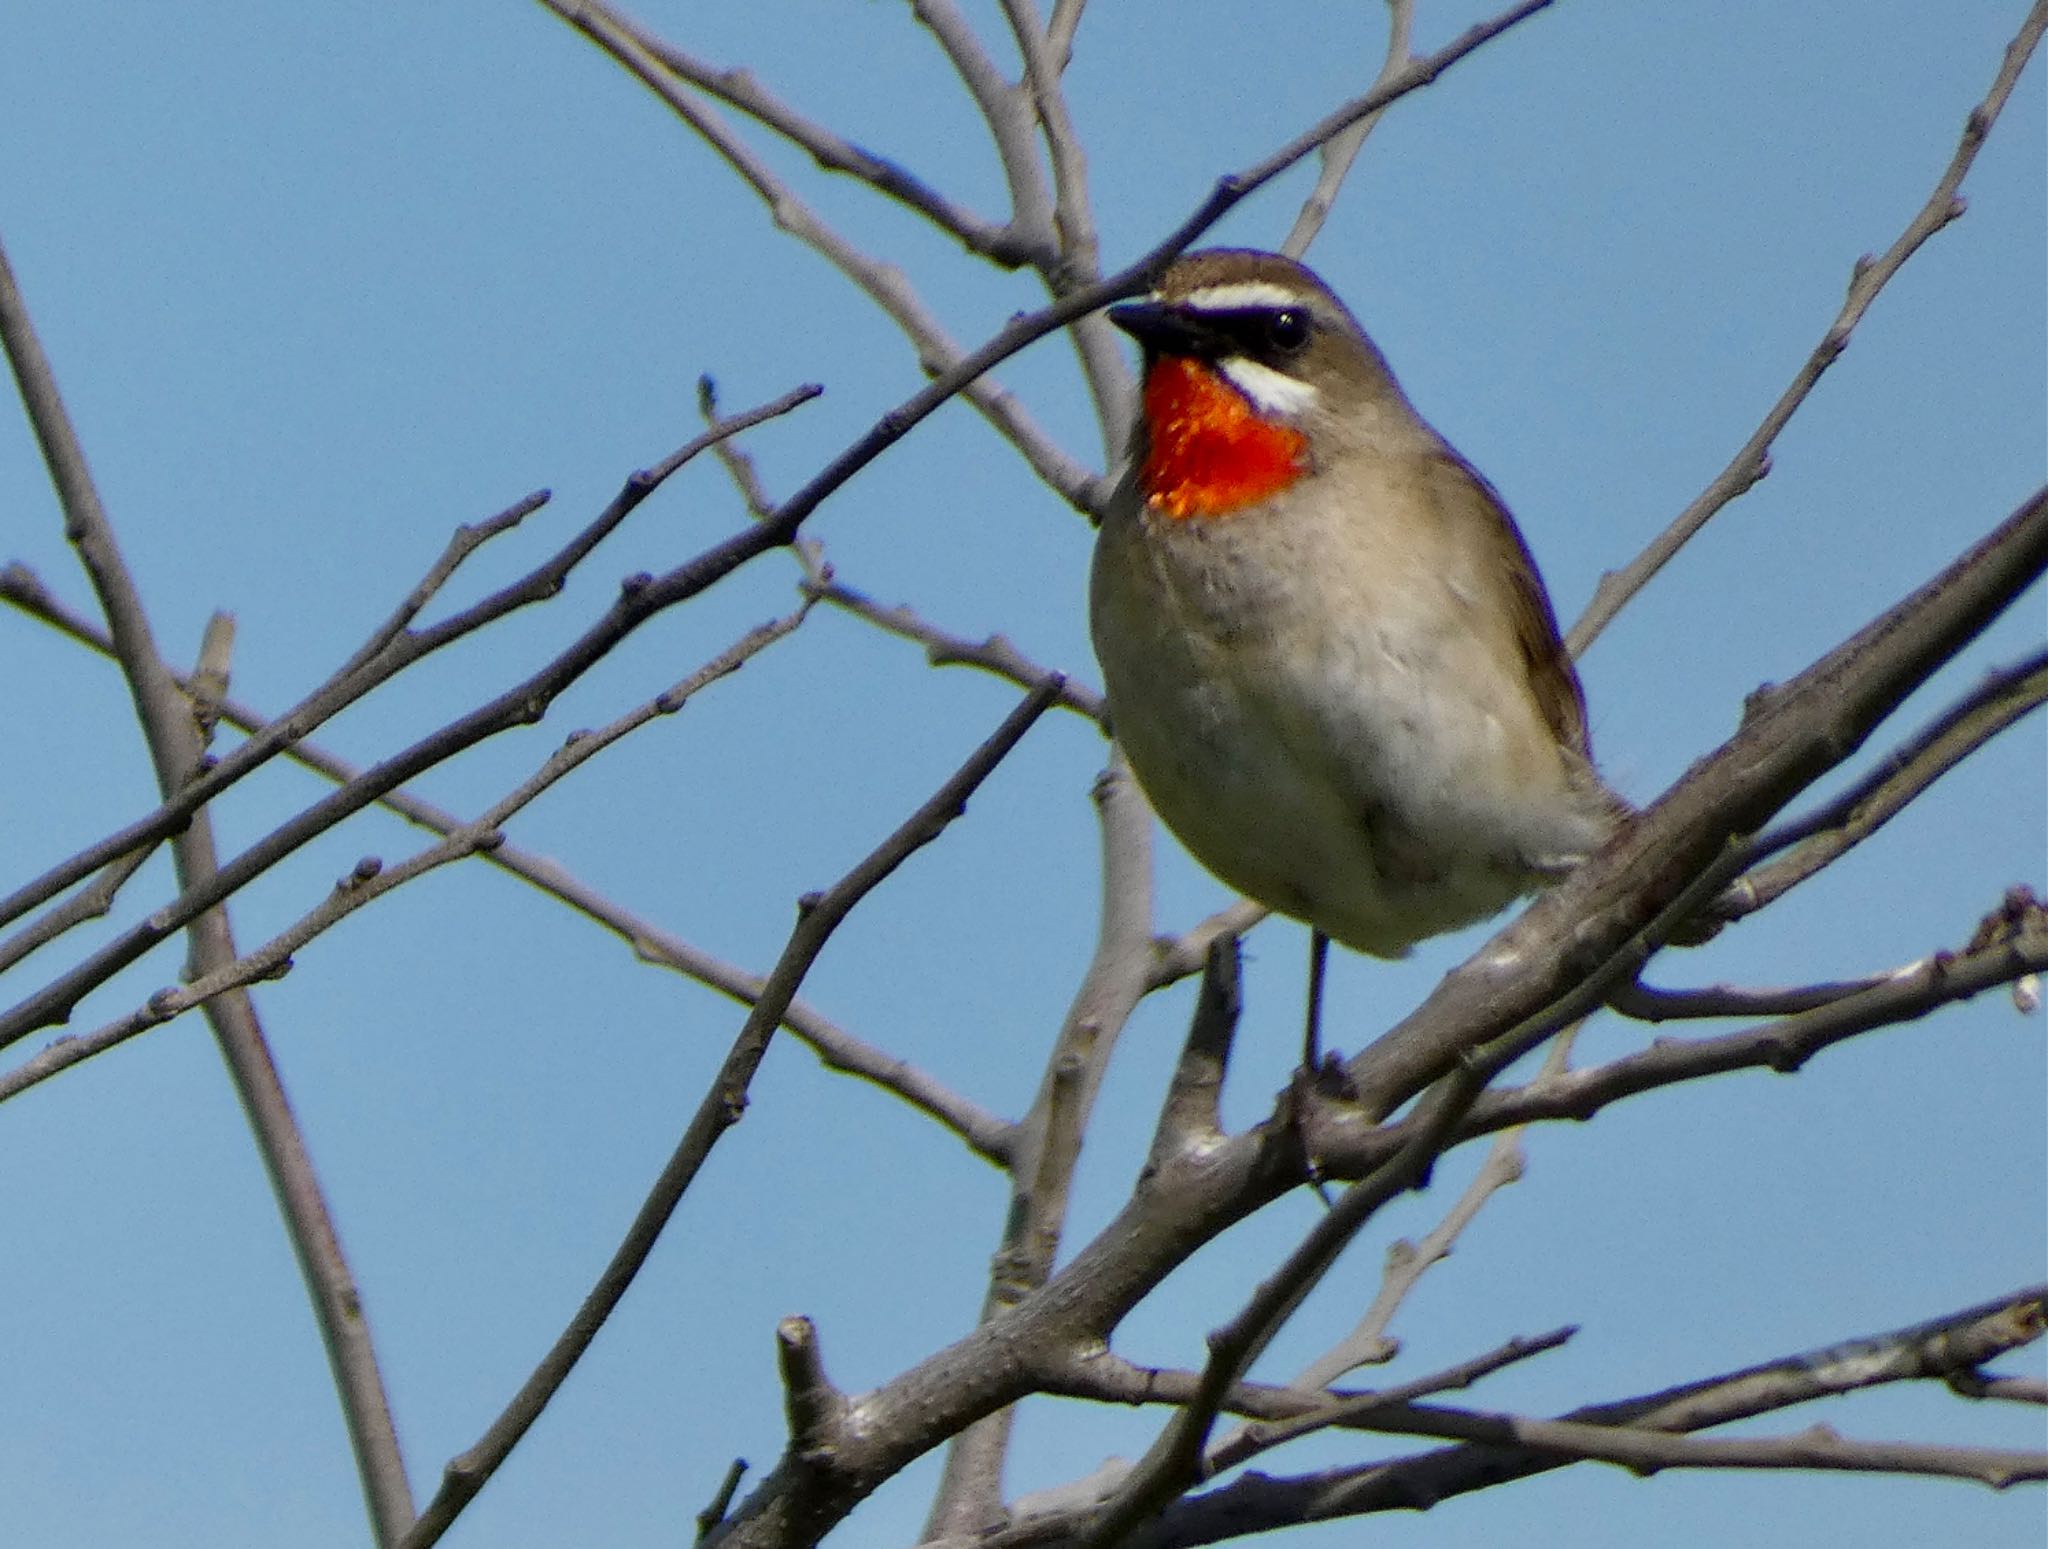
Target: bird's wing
(1551,677)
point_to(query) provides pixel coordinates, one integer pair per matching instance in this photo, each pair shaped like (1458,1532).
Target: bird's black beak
(1165,329)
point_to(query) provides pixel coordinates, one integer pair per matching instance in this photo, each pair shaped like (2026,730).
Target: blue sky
(322,282)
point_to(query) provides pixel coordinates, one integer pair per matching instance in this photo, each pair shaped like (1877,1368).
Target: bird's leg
(1312,1031)
(1312,1043)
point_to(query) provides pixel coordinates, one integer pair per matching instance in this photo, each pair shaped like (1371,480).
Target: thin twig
(2018,1390)
(883,283)
(741,89)
(1339,153)
(1191,1117)
(1646,1003)
(90,902)
(1258,1502)
(465,541)
(1077,258)
(1356,1411)
(1784,1045)
(1407,1262)
(838,1049)
(1175,1460)
(1049,1135)
(371,879)
(1281,1414)
(715,1509)
(1006,110)
(390,650)
(1817,1447)
(1226,194)
(176,748)
(1178,1459)
(1869,276)
(1175,957)
(1645,1451)
(819,915)
(640,598)
(992,654)
(1819,838)
(1059,32)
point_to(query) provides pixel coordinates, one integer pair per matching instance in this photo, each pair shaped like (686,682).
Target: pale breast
(1317,717)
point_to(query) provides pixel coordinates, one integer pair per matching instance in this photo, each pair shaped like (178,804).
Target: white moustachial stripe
(1271,392)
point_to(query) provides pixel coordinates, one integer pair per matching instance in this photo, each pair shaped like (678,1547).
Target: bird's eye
(1287,330)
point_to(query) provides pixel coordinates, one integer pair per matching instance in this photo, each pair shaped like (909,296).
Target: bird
(1327,653)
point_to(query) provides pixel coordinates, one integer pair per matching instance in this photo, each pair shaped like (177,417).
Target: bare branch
(993,653)
(884,284)
(371,879)
(640,598)
(160,709)
(1645,1003)
(1028,328)
(819,915)
(2018,1390)
(1822,837)
(1049,1136)
(984,1132)
(1408,1262)
(816,1409)
(1175,957)
(90,902)
(1355,1411)
(1191,1119)
(1818,1447)
(1059,33)
(1259,1502)
(1175,1461)
(1341,150)
(1869,276)
(1055,238)
(1412,76)
(1077,258)
(1077,303)
(738,464)
(1555,962)
(739,88)
(1785,1045)
(1281,1413)
(1644,1451)
(208,686)
(467,539)
(714,1511)
(390,651)
(176,748)
(1007,110)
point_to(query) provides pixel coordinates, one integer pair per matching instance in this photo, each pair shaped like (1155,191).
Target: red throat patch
(1210,452)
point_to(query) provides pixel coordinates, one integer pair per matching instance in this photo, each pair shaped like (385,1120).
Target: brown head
(1254,371)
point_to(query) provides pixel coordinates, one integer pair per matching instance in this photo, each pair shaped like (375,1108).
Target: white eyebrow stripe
(1272,392)
(1237,295)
